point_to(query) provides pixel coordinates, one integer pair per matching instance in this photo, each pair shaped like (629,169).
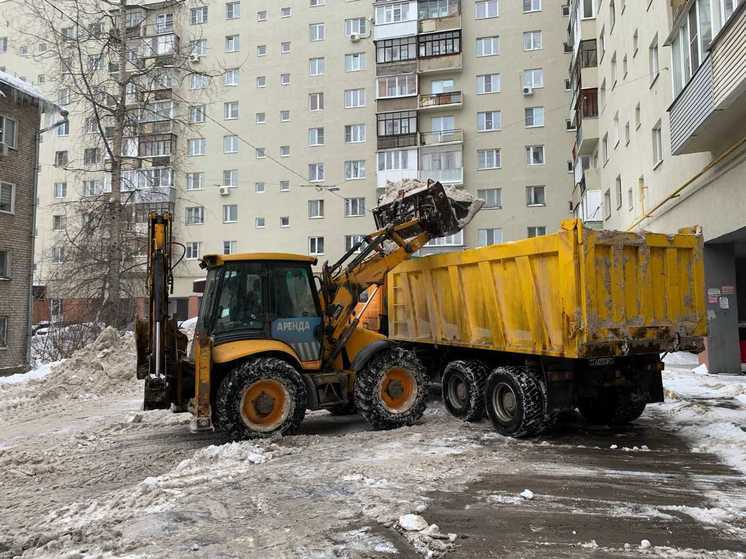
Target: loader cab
(262,296)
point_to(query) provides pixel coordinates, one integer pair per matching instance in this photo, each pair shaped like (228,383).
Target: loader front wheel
(463,389)
(390,390)
(261,398)
(516,402)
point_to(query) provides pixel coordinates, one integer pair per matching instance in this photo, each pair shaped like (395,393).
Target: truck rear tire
(463,389)
(390,390)
(261,398)
(516,402)
(612,407)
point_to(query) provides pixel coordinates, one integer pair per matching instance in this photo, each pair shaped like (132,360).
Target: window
(488,121)
(58,255)
(7,197)
(354,62)
(261,118)
(192,250)
(605,147)
(195,215)
(492,198)
(92,188)
(316,101)
(60,190)
(195,181)
(316,136)
(397,124)
(284,79)
(261,15)
(535,196)
(630,200)
(284,186)
(613,70)
(635,42)
(230,213)
(63,129)
(60,158)
(230,144)
(230,247)
(232,10)
(601,44)
(315,209)
(393,13)
(439,44)
(199,15)
(531,6)
(618,191)
(534,117)
(259,188)
(488,83)
(532,40)
(317,3)
(354,207)
(612,16)
(8,132)
(485,9)
(316,172)
(316,66)
(284,151)
(392,160)
(91,156)
(354,98)
(637,115)
(490,236)
(199,81)
(285,47)
(355,169)
(230,110)
(441,86)
(396,50)
(261,81)
(488,46)
(352,241)
(536,231)
(260,153)
(261,50)
(259,222)
(358,26)
(196,147)
(316,246)
(317,31)
(653,59)
(657,144)
(488,158)
(533,78)
(284,116)
(355,133)
(626,133)
(285,221)
(4,268)
(535,155)
(455,240)
(232,43)
(287,11)
(402,85)
(197,114)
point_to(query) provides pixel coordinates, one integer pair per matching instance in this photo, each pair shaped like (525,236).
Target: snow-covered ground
(86,474)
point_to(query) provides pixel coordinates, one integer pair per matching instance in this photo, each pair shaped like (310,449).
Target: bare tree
(116,66)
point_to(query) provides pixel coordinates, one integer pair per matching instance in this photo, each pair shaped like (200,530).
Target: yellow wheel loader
(272,340)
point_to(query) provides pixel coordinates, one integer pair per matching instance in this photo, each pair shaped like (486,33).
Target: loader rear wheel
(261,398)
(463,389)
(612,407)
(390,391)
(516,402)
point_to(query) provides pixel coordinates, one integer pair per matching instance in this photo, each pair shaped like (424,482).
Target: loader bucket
(438,211)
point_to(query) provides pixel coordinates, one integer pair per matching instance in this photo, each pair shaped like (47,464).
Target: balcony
(395,19)
(441,137)
(439,52)
(438,64)
(391,141)
(444,176)
(441,100)
(586,134)
(590,208)
(444,163)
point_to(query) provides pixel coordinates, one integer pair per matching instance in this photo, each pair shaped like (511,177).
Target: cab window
(242,304)
(292,292)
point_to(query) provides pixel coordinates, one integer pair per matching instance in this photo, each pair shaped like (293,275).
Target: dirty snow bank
(38,373)
(706,409)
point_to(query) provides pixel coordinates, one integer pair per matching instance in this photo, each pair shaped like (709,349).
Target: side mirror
(199,285)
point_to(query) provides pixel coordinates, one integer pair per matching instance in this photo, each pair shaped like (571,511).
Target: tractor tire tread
(531,395)
(475,374)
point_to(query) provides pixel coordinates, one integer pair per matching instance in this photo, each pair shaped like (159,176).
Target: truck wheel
(612,407)
(516,402)
(261,398)
(463,389)
(390,390)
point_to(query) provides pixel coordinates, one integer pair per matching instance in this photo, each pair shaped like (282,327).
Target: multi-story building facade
(657,100)
(296,114)
(20,114)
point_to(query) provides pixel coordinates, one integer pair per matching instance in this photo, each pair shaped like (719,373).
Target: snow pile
(34,374)
(709,411)
(425,537)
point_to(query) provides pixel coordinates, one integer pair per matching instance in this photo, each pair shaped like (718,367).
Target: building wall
(17,228)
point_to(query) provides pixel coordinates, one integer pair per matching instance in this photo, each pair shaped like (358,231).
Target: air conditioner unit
(527,91)
(3,150)
(225,190)
(354,37)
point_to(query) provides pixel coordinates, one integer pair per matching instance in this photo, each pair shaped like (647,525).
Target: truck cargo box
(577,293)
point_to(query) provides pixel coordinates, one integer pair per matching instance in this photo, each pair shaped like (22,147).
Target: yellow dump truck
(529,329)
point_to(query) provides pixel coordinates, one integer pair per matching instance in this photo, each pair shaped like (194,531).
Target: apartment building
(294,115)
(658,106)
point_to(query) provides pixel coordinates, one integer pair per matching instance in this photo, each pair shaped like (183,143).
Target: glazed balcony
(445,100)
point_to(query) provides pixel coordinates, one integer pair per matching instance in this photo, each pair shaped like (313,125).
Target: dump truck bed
(577,293)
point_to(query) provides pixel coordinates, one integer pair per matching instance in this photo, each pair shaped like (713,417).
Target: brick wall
(17,228)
